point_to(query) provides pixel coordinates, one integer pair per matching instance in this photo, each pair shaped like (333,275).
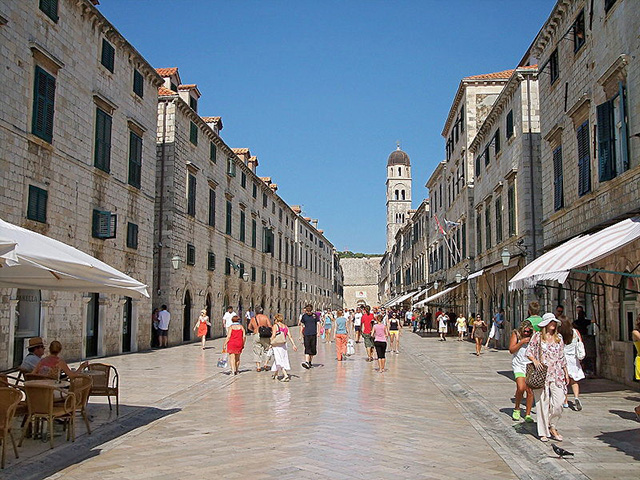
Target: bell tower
(398,193)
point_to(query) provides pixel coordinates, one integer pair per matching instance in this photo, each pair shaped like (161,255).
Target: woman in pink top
(380,332)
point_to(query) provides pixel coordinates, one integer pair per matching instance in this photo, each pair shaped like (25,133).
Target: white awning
(401,299)
(577,252)
(389,302)
(420,293)
(475,274)
(436,296)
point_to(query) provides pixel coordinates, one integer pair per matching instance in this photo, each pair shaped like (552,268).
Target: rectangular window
(211,261)
(487,156)
(191,254)
(212,207)
(511,206)
(213,152)
(584,159)
(462,119)
(243,180)
(554,67)
(193,133)
(578,32)
(558,193)
(254,276)
(464,240)
(496,143)
(50,9)
(231,167)
(227,266)
(254,233)
(228,218)
(267,240)
(510,124)
(613,138)
(254,192)
(44,90)
(478,157)
(191,195)
(479,233)
(104,224)
(108,55)
(498,208)
(135,160)
(132,235)
(487,226)
(37,204)
(242,226)
(138,83)
(193,103)
(102,158)
(265,200)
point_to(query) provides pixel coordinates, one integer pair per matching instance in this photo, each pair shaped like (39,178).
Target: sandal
(544,439)
(258,369)
(555,435)
(285,379)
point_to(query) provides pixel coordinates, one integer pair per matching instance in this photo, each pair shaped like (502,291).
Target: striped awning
(400,299)
(475,274)
(575,253)
(435,296)
(419,294)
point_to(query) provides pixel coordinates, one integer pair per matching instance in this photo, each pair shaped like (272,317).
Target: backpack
(264,331)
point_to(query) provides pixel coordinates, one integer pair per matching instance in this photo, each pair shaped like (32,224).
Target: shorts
(163,333)
(368,340)
(462,329)
(357,327)
(442,329)
(381,348)
(519,375)
(393,332)
(310,344)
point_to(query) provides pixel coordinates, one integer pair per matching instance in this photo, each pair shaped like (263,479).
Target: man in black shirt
(309,330)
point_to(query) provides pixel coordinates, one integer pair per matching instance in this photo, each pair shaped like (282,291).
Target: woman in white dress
(571,337)
(280,353)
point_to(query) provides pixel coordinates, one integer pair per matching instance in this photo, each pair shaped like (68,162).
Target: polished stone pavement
(438,412)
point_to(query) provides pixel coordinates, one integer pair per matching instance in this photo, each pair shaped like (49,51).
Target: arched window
(399,171)
(403,196)
(397,194)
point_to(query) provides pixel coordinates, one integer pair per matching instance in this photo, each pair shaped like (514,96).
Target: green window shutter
(496,145)
(102,159)
(498,208)
(228,219)
(479,233)
(242,226)
(606,141)
(104,224)
(464,241)
(254,233)
(584,159)
(624,132)
(212,208)
(138,83)
(253,274)
(212,152)
(44,90)
(132,235)
(510,124)
(511,205)
(108,55)
(191,195)
(227,266)
(477,165)
(50,9)
(487,224)
(211,261)
(487,156)
(243,180)
(193,133)
(37,204)
(135,160)
(191,254)
(558,193)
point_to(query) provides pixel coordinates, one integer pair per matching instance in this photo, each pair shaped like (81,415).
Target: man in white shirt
(357,323)
(164,317)
(227,318)
(442,326)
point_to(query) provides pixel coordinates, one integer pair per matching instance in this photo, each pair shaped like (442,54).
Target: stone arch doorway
(207,306)
(186,317)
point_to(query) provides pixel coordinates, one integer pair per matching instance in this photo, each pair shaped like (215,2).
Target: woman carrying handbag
(279,339)
(547,376)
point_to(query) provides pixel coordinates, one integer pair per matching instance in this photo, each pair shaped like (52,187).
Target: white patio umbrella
(31,260)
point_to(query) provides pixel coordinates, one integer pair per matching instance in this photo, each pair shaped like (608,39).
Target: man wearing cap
(36,351)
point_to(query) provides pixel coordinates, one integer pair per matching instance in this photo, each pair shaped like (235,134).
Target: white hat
(547,318)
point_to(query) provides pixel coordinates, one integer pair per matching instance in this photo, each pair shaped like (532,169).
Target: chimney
(273,187)
(296,209)
(243,154)
(252,163)
(315,223)
(215,123)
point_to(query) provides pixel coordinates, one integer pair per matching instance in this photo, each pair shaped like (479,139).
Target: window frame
(138,83)
(584,158)
(98,217)
(50,9)
(134,177)
(191,254)
(102,146)
(37,204)
(192,185)
(578,42)
(108,55)
(132,235)
(43,104)
(228,218)
(193,133)
(554,67)
(211,261)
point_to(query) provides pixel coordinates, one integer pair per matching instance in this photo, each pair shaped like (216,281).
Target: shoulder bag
(535,379)
(580,350)
(279,339)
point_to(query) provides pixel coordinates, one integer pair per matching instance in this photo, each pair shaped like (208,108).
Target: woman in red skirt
(234,343)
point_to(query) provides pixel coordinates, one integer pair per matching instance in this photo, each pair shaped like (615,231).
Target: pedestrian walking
(518,348)
(357,324)
(227,318)
(380,333)
(429,319)
(546,349)
(395,326)
(461,324)
(154,328)
(201,326)
(572,338)
(328,326)
(479,329)
(442,326)
(234,343)
(279,337)
(309,332)
(341,335)
(534,315)
(164,317)
(367,325)
(496,326)
(635,336)
(261,326)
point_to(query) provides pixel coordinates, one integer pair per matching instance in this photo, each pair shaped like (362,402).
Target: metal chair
(9,399)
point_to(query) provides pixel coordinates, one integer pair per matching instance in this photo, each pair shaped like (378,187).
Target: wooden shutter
(191,254)
(228,227)
(138,83)
(624,140)
(242,226)
(104,224)
(497,141)
(606,141)
(193,133)
(212,208)
(191,195)
(510,124)
(50,8)
(558,194)
(103,140)
(584,159)
(487,223)
(212,152)
(108,55)
(211,261)
(132,235)
(37,204)
(43,104)
(135,160)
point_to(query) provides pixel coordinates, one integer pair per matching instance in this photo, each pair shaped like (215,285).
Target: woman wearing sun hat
(547,348)
(202,326)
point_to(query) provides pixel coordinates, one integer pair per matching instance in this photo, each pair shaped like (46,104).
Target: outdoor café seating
(81,387)
(105,382)
(9,399)
(42,406)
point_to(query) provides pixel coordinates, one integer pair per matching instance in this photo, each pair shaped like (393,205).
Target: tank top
(341,326)
(393,324)
(379,333)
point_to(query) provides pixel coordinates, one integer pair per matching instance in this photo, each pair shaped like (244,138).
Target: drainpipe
(161,192)
(534,243)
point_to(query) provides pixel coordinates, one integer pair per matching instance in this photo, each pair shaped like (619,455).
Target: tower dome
(398,157)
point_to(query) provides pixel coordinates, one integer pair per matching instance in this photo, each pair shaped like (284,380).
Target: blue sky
(321,90)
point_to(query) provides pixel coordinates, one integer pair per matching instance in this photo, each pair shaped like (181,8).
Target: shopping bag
(222,361)
(351,347)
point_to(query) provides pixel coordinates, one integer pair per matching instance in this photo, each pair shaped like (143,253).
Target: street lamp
(176,262)
(458,277)
(505,256)
(435,284)
(245,276)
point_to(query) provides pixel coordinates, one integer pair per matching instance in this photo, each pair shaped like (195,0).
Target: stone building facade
(507,196)
(77,163)
(361,278)
(590,152)
(223,235)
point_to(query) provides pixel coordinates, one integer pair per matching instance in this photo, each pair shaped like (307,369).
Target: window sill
(40,142)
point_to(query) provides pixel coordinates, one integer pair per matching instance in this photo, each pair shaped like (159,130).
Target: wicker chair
(105,385)
(9,400)
(81,387)
(40,400)
(37,376)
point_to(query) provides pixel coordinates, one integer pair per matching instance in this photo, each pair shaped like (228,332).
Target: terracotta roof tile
(190,86)
(211,119)
(167,72)
(505,74)
(240,150)
(165,91)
